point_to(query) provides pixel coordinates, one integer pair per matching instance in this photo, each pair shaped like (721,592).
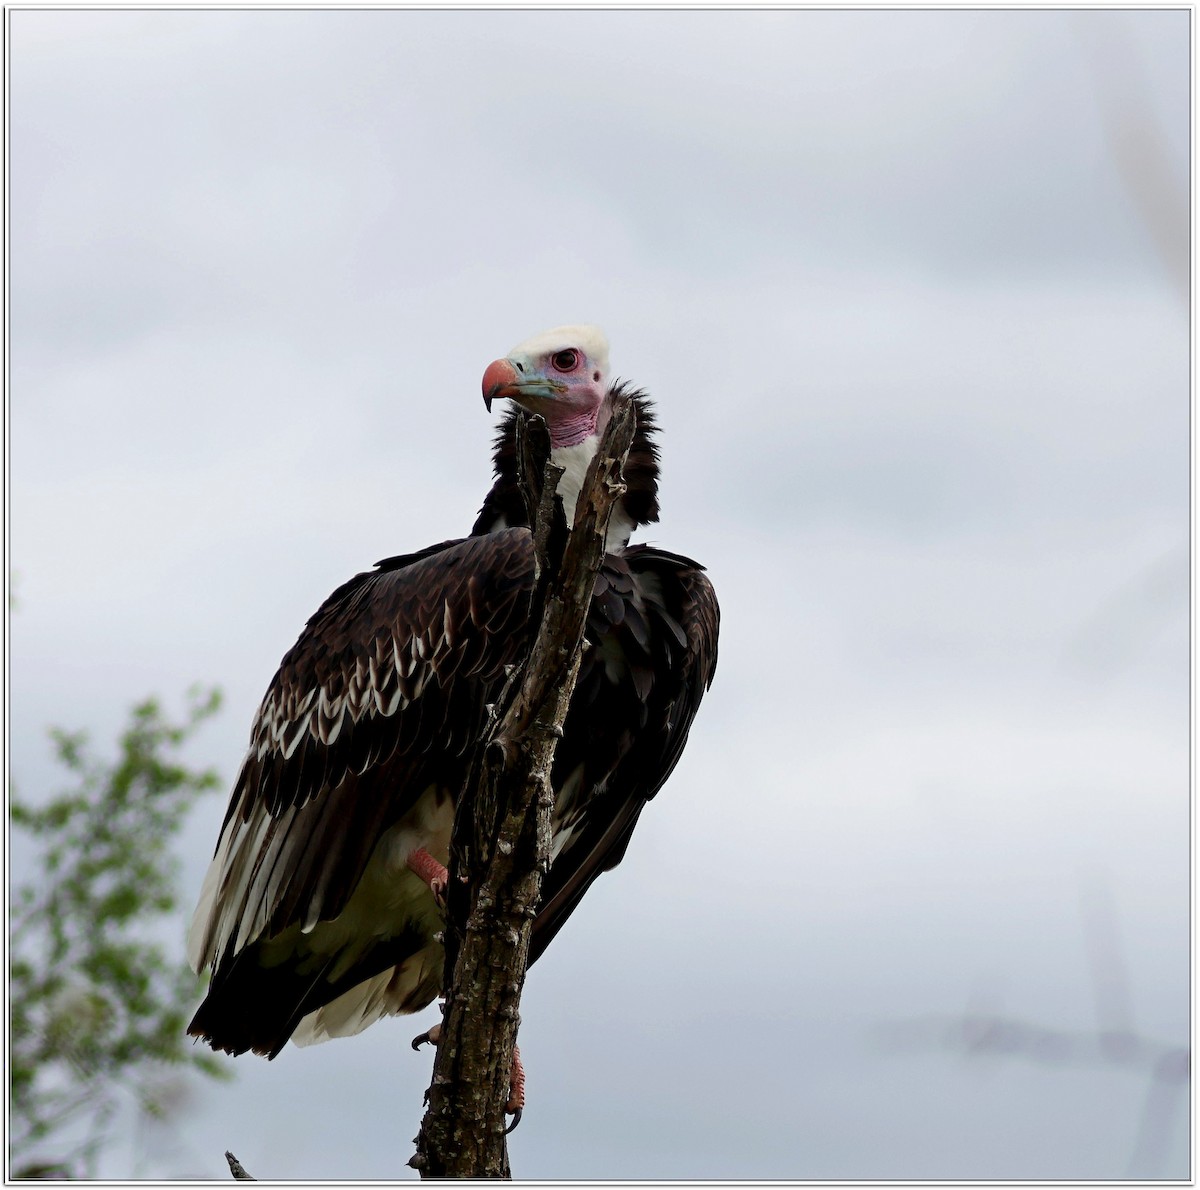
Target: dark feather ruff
(504,506)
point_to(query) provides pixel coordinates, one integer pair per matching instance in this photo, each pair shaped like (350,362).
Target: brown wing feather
(383,693)
(667,638)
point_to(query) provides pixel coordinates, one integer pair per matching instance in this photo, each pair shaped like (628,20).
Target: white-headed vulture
(318,914)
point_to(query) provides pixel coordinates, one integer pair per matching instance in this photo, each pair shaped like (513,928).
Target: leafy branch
(97,1007)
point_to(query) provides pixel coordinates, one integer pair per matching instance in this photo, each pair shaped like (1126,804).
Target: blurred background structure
(911,291)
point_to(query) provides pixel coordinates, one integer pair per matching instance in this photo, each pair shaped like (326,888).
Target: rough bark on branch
(500,847)
(237,1170)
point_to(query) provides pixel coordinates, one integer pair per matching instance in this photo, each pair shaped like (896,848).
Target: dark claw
(516,1120)
(433,1037)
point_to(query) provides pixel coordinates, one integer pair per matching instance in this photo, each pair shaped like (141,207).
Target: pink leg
(425,866)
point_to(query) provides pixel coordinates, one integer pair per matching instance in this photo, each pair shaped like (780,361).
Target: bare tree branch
(500,847)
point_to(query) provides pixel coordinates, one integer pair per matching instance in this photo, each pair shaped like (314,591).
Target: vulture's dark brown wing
(309,919)
(378,701)
(653,631)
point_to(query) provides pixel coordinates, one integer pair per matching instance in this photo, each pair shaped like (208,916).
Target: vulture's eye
(565,361)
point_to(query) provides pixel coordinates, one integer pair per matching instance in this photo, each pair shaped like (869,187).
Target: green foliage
(98,1009)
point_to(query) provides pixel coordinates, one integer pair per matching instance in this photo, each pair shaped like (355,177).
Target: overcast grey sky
(902,285)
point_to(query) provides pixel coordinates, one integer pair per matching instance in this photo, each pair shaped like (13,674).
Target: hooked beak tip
(499,377)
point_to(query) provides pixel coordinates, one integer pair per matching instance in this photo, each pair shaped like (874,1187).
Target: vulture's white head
(561,374)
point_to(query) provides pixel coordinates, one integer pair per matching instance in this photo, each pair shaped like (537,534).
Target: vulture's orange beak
(509,378)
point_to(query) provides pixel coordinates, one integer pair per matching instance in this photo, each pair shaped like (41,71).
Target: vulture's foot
(436,876)
(432,1037)
(516,1090)
(515,1106)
